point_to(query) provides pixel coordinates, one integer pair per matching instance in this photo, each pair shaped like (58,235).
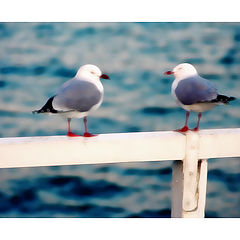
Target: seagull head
(91,71)
(182,70)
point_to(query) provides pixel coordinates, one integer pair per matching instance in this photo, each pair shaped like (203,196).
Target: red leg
(197,127)
(185,127)
(69,133)
(86,133)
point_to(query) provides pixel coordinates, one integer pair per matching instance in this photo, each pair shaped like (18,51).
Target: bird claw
(87,134)
(184,129)
(195,129)
(71,134)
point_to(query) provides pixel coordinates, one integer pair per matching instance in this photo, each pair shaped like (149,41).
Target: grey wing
(195,90)
(77,95)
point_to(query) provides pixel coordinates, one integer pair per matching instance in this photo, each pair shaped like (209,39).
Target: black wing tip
(38,111)
(47,108)
(223,99)
(232,99)
(35,111)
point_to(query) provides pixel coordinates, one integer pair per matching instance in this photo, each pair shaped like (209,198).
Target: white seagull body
(194,93)
(77,97)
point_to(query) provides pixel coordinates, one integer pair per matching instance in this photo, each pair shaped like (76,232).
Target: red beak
(168,73)
(104,76)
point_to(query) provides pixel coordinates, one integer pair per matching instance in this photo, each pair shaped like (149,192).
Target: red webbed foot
(195,129)
(87,134)
(71,134)
(184,129)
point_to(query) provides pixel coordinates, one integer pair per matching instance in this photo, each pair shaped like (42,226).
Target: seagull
(194,93)
(77,97)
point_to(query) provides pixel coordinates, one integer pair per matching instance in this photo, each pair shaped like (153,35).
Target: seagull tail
(39,111)
(47,108)
(223,99)
(36,111)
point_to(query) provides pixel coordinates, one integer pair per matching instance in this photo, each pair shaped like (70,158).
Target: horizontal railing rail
(190,152)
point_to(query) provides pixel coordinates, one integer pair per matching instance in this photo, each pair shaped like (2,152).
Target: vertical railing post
(189,181)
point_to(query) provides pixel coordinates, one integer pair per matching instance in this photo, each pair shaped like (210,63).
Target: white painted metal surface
(105,148)
(198,198)
(202,190)
(189,174)
(114,148)
(219,143)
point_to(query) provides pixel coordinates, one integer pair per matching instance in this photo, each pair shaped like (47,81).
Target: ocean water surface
(36,58)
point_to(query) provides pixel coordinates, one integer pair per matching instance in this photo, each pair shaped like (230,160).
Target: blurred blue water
(36,58)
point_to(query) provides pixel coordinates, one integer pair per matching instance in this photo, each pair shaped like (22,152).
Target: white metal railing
(189,151)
